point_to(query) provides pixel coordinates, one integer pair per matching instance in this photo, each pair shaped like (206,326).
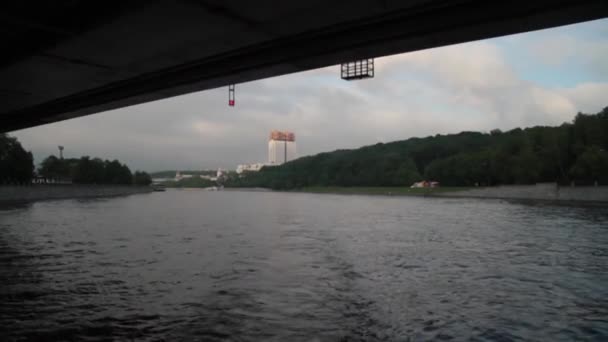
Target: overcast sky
(537,78)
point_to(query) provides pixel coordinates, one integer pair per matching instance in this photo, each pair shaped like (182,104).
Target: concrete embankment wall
(548,192)
(10,193)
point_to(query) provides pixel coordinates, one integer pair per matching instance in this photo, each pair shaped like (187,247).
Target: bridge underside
(65,59)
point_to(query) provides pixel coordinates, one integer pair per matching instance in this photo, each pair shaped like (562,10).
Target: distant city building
(179,176)
(255,167)
(281,147)
(161,180)
(208,177)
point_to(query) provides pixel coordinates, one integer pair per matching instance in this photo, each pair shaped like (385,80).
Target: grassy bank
(396,191)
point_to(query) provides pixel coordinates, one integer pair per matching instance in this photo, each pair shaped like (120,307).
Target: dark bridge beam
(429,24)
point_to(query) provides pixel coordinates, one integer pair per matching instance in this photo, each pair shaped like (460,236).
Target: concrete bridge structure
(65,59)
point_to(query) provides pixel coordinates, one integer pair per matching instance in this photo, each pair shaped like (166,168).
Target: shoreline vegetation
(190,183)
(17,168)
(573,153)
(568,162)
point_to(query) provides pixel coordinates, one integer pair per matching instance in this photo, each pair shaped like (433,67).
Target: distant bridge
(65,59)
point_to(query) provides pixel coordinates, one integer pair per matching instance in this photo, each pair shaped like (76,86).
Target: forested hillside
(573,152)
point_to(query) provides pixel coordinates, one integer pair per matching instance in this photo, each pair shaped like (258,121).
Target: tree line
(16,164)
(171,173)
(17,167)
(575,152)
(87,170)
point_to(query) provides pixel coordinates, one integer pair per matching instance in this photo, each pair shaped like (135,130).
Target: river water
(264,266)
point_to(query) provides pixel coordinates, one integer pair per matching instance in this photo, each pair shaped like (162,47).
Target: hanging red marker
(231,95)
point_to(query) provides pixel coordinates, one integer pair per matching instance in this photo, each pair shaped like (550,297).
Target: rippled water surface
(255,266)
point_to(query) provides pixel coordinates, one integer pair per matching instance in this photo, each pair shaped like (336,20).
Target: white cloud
(584,45)
(477,76)
(588,97)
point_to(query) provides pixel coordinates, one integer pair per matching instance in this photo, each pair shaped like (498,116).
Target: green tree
(89,171)
(16,164)
(116,173)
(591,166)
(54,168)
(142,178)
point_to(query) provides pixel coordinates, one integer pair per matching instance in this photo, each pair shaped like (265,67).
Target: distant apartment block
(281,147)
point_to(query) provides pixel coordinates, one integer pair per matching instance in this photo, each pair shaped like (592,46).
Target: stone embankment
(9,193)
(544,191)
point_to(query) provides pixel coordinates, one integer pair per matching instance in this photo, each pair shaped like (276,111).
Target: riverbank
(540,192)
(378,190)
(66,191)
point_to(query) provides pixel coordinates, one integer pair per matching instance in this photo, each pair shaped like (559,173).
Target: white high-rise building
(280,152)
(281,147)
